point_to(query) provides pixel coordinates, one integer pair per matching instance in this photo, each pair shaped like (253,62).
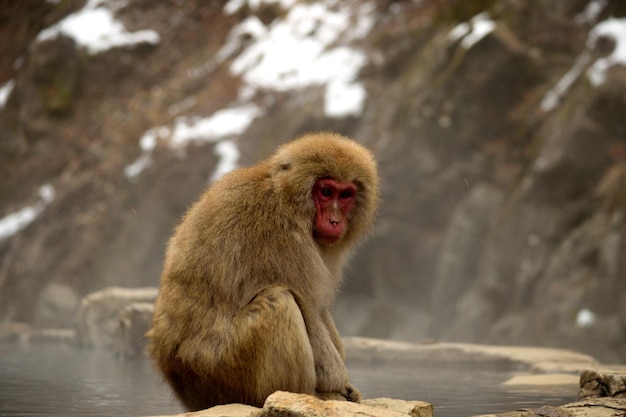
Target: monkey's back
(229,246)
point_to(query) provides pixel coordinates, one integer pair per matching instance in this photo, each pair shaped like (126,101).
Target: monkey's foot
(350,393)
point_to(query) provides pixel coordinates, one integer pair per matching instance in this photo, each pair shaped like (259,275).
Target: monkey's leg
(245,358)
(274,346)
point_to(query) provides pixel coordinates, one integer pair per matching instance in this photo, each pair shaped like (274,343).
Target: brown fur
(244,304)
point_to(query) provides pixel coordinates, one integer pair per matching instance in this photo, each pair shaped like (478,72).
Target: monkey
(251,273)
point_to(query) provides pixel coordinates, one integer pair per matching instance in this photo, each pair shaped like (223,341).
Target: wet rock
(14,331)
(546,380)
(99,313)
(23,333)
(541,360)
(133,323)
(596,383)
(596,407)
(66,336)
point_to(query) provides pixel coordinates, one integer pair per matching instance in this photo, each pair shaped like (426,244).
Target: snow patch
(305,48)
(222,123)
(553,97)
(596,73)
(14,222)
(228,155)
(95,28)
(591,12)
(219,126)
(585,318)
(308,46)
(5,92)
(473,31)
(610,28)
(233,5)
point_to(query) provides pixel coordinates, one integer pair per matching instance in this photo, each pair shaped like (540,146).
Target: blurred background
(499,127)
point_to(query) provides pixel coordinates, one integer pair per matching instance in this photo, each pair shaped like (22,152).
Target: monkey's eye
(346,194)
(326,192)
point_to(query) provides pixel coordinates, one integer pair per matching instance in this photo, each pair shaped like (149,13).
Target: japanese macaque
(252,270)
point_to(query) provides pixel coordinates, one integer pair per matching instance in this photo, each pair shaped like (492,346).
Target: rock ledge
(287,404)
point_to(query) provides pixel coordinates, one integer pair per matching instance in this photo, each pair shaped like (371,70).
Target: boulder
(602,383)
(99,313)
(288,404)
(281,404)
(133,322)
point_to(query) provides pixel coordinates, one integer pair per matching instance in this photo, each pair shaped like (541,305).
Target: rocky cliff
(499,126)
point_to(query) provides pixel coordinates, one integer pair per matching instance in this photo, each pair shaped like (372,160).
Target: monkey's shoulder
(242,182)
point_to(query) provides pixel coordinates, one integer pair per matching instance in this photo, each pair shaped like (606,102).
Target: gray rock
(53,335)
(98,315)
(531,359)
(595,407)
(602,383)
(133,322)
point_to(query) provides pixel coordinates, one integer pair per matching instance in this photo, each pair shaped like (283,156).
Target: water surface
(59,380)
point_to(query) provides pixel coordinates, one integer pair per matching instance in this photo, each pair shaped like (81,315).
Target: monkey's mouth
(327,239)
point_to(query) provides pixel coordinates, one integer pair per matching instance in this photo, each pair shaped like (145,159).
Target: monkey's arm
(327,318)
(330,369)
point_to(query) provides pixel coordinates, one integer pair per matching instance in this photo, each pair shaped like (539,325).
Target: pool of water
(455,390)
(59,380)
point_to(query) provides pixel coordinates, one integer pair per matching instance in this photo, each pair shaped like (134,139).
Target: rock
(412,408)
(133,323)
(596,383)
(53,335)
(98,314)
(47,85)
(459,254)
(21,332)
(514,209)
(14,331)
(542,360)
(595,407)
(287,404)
(228,410)
(567,380)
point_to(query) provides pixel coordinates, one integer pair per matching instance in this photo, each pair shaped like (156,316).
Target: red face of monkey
(333,201)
